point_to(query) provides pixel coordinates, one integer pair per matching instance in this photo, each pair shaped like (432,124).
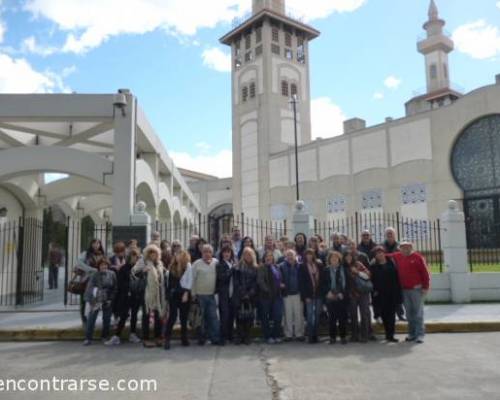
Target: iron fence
(213,229)
(425,234)
(21,267)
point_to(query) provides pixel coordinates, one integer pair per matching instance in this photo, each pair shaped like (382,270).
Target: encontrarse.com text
(78,385)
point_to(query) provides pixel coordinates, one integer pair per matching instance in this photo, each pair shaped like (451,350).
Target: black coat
(244,284)
(224,275)
(386,286)
(173,287)
(305,283)
(268,289)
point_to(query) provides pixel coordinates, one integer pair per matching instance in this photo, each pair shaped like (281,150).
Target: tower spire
(433,11)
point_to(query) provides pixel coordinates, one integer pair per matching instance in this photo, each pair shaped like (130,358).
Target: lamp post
(293,102)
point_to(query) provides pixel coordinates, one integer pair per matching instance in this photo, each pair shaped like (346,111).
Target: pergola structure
(106,146)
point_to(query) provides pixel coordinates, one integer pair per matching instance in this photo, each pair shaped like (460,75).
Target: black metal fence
(21,269)
(213,229)
(425,234)
(484,260)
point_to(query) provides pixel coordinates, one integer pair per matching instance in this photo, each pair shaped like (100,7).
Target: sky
(364,64)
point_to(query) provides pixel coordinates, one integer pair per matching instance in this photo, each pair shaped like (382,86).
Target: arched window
(252,90)
(244,94)
(293,89)
(284,88)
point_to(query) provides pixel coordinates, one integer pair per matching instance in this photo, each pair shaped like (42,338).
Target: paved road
(460,366)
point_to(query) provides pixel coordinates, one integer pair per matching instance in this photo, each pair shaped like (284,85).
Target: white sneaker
(271,341)
(278,341)
(87,342)
(133,338)
(114,341)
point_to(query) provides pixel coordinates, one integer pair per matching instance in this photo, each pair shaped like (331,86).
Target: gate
(483,232)
(21,267)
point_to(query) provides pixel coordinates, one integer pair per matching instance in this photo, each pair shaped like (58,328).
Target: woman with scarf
(155,299)
(336,297)
(86,267)
(270,283)
(360,287)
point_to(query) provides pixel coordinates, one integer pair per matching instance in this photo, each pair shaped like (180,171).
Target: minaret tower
(435,47)
(270,64)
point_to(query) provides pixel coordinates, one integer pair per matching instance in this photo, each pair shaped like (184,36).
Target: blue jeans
(414,306)
(210,324)
(272,311)
(313,313)
(106,322)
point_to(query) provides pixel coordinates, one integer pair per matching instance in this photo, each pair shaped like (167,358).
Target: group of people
(286,287)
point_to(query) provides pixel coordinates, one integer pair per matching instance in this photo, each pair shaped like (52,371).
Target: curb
(76,334)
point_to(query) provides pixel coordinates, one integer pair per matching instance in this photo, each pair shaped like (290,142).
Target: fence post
(455,253)
(302,222)
(20,262)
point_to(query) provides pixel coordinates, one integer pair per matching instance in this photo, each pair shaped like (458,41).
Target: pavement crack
(276,390)
(212,374)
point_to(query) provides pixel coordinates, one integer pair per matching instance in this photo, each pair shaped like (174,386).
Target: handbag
(137,285)
(245,312)
(194,316)
(77,283)
(363,285)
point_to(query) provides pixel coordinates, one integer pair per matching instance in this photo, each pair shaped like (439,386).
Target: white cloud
(204,147)
(378,96)
(218,164)
(498,4)
(392,82)
(18,76)
(30,45)
(327,118)
(217,59)
(316,9)
(478,39)
(89,23)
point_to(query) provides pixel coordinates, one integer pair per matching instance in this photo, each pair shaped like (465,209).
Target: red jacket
(412,270)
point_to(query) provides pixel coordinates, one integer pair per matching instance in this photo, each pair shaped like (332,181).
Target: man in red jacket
(415,281)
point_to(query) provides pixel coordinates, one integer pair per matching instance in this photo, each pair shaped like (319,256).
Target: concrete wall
(484,286)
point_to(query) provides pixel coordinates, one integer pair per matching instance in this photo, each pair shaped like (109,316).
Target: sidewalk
(66,325)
